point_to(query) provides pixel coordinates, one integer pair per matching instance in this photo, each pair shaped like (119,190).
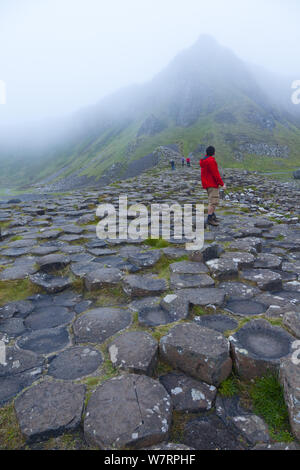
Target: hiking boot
(211,221)
(215,218)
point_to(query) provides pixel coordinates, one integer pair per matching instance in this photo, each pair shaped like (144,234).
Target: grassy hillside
(205,96)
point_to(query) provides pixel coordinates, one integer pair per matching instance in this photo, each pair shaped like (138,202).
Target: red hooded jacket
(210,175)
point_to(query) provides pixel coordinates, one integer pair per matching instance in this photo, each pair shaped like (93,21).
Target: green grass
(264,397)
(229,387)
(10,434)
(16,290)
(268,402)
(156,243)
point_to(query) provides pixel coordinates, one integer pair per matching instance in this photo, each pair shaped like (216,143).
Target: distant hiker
(211,181)
(188,160)
(182,161)
(172,164)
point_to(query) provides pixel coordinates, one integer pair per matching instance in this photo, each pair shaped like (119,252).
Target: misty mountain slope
(206,95)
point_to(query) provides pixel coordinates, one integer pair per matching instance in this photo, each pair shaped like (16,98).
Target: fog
(57,56)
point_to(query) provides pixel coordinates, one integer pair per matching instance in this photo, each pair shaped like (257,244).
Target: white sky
(59,55)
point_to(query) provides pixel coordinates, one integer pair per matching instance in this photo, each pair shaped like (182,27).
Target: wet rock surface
(128,411)
(198,351)
(91,309)
(258,347)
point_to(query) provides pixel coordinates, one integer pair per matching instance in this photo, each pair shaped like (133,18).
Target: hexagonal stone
(264,223)
(20,361)
(45,341)
(142,286)
(50,283)
(19,309)
(264,278)
(198,351)
(48,234)
(217,322)
(180,281)
(258,347)
(268,261)
(238,289)
(128,411)
(245,307)
(49,317)
(251,427)
(106,277)
(12,327)
(14,252)
(167,446)
(222,268)
(209,251)
(98,324)
(75,363)
(145,259)
(188,394)
(277,446)
(210,433)
(188,267)
(176,305)
(21,369)
(251,245)
(11,386)
(203,297)
(290,380)
(292,321)
(135,351)
(44,250)
(138,304)
(242,259)
(21,269)
(53,262)
(174,253)
(50,409)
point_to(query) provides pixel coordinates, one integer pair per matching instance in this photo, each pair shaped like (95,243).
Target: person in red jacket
(211,181)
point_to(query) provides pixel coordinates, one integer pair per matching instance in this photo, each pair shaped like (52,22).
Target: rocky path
(116,344)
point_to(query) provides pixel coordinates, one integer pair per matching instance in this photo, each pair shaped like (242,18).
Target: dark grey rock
(49,317)
(50,409)
(250,427)
(210,433)
(264,278)
(44,341)
(203,296)
(50,283)
(135,351)
(238,289)
(188,394)
(106,277)
(292,321)
(145,259)
(75,363)
(98,324)
(245,307)
(142,286)
(188,267)
(128,411)
(268,261)
(179,281)
(198,351)
(242,259)
(12,327)
(223,268)
(217,322)
(53,262)
(290,380)
(258,347)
